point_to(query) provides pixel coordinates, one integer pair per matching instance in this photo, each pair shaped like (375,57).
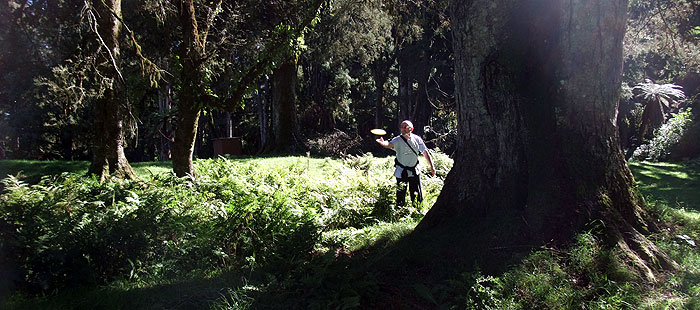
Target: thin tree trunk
(67,147)
(165,132)
(537,87)
(261,99)
(405,90)
(108,144)
(185,137)
(380,73)
(422,110)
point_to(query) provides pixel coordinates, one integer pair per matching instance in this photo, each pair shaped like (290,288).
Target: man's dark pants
(413,185)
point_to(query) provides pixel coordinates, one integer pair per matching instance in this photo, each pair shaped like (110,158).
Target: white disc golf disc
(379,132)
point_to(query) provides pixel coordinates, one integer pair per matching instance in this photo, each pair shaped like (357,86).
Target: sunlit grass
(677,184)
(32,171)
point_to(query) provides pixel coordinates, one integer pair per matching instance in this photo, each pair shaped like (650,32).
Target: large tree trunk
(284,117)
(192,54)
(537,87)
(108,144)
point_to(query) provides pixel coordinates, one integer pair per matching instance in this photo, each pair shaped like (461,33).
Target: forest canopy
(352,66)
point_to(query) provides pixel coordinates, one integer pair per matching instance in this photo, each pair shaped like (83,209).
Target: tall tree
(347,67)
(192,94)
(39,101)
(108,144)
(537,87)
(285,132)
(420,32)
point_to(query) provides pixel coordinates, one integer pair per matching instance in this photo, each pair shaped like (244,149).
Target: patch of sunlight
(678,174)
(650,174)
(689,215)
(665,301)
(661,164)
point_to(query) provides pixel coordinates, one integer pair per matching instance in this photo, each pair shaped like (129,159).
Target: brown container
(230,146)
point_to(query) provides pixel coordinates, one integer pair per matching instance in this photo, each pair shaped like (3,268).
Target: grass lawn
(31,171)
(676,184)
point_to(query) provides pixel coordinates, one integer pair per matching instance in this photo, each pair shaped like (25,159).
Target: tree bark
(380,72)
(108,143)
(537,88)
(405,88)
(192,54)
(422,110)
(284,117)
(165,134)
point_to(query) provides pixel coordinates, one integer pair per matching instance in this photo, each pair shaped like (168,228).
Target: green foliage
(658,100)
(69,231)
(659,41)
(665,138)
(288,255)
(678,237)
(667,95)
(70,227)
(352,238)
(337,143)
(477,291)
(552,279)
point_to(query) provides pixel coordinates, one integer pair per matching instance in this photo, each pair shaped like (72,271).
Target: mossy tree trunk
(192,95)
(108,144)
(537,87)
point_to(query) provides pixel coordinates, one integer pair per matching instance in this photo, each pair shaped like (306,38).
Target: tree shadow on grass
(197,293)
(31,171)
(676,184)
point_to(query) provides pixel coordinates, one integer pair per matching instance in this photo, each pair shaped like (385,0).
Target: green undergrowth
(69,233)
(305,233)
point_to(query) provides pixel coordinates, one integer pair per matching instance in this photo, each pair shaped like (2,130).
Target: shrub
(69,230)
(337,143)
(585,275)
(665,138)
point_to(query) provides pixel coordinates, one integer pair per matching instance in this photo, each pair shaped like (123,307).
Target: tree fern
(658,100)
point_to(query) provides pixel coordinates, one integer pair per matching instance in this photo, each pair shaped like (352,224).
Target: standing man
(407,147)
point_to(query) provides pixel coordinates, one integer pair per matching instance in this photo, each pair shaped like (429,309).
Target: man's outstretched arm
(385,143)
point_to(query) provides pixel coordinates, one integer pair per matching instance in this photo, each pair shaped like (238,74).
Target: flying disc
(379,132)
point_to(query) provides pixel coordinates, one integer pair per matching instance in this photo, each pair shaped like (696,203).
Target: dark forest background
(283,76)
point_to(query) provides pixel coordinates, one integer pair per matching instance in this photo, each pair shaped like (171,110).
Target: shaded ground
(188,294)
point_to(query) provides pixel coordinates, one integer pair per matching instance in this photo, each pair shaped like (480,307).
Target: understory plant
(665,138)
(69,230)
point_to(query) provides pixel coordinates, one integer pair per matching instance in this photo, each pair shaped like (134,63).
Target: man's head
(406,127)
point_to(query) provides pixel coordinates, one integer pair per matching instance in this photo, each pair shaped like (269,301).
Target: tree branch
(274,52)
